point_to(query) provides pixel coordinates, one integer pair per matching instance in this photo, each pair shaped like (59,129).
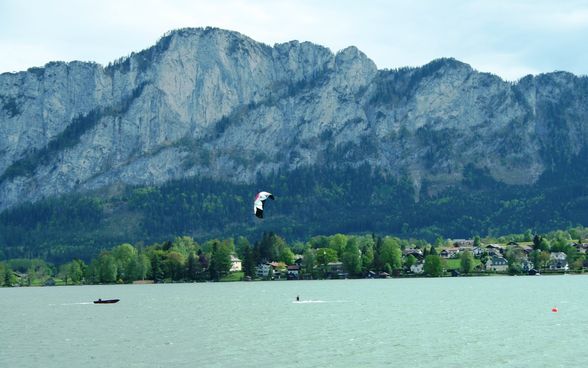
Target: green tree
(390,253)
(107,268)
(578,263)
(477,242)
(324,256)
(37,269)
(193,267)
(157,267)
(286,255)
(528,236)
(466,260)
(175,263)
(8,278)
(514,256)
(248,261)
(220,260)
(484,258)
(433,266)
(366,245)
(338,242)
(139,267)
(309,262)
(544,258)
(536,242)
(75,271)
(241,246)
(409,261)
(184,245)
(351,257)
(124,255)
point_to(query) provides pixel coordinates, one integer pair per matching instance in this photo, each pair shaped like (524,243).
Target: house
(525,249)
(527,266)
(263,270)
(293,272)
(417,268)
(559,265)
(335,270)
(236,264)
(580,247)
(449,253)
(495,249)
(558,256)
(417,253)
(279,269)
(497,263)
(478,251)
(558,261)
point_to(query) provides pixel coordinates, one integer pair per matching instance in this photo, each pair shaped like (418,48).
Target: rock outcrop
(215,103)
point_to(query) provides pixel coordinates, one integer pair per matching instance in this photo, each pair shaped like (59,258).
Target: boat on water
(106,301)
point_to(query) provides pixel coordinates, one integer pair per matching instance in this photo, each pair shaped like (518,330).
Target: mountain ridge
(217,105)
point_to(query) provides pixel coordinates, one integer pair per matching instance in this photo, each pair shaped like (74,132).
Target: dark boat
(106,301)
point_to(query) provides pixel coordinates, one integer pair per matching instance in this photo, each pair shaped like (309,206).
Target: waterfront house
(263,269)
(293,272)
(558,265)
(527,266)
(558,261)
(417,268)
(236,264)
(335,270)
(496,263)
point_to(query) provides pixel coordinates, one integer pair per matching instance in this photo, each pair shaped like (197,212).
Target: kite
(260,199)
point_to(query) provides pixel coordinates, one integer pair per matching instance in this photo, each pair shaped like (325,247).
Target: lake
(443,322)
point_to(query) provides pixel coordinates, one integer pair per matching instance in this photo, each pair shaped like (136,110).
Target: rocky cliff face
(214,103)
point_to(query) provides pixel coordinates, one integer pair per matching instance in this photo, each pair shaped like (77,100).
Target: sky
(509,38)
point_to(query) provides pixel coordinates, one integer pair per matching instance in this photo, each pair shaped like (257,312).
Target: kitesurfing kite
(260,199)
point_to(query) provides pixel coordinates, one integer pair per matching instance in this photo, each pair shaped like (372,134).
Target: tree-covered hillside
(309,201)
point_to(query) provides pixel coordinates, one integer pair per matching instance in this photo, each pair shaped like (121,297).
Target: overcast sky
(510,38)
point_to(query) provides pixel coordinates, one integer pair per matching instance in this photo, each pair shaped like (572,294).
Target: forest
(309,201)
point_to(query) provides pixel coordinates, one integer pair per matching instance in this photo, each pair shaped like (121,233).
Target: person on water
(297,298)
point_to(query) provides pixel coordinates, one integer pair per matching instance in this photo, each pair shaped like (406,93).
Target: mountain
(178,138)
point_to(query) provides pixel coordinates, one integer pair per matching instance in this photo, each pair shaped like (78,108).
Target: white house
(558,256)
(558,261)
(236,264)
(263,269)
(417,268)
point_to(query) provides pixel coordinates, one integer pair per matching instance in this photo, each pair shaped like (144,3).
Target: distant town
(337,256)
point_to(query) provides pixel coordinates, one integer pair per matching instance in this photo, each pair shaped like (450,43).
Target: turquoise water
(448,322)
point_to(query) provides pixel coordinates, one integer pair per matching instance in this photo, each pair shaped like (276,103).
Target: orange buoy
(554,309)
